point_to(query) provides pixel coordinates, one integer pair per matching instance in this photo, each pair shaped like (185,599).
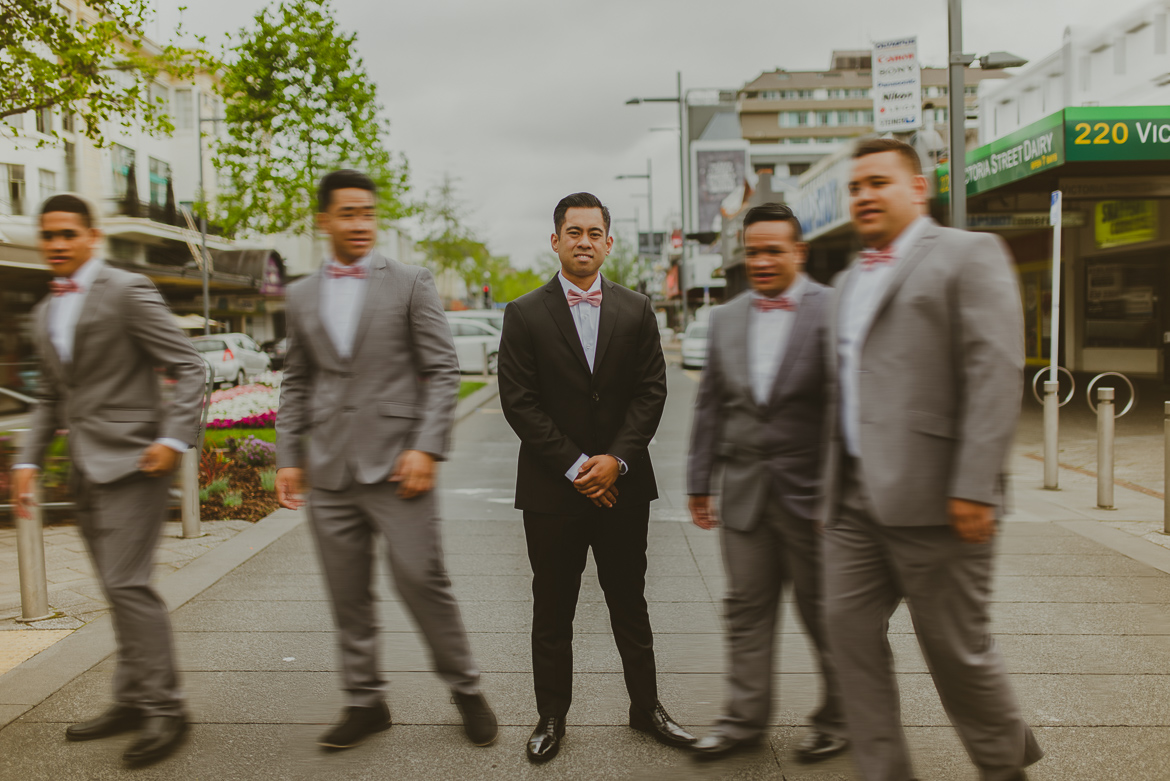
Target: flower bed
(246,406)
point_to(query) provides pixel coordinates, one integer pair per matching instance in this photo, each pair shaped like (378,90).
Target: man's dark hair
(875,146)
(65,202)
(578,201)
(773,212)
(346,179)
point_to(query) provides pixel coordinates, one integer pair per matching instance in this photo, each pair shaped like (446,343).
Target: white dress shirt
(64,312)
(587,318)
(768,334)
(858,305)
(341,305)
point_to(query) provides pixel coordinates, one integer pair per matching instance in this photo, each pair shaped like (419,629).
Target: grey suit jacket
(109,396)
(942,371)
(347,419)
(759,447)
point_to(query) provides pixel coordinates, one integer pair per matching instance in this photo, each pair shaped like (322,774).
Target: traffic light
(487,296)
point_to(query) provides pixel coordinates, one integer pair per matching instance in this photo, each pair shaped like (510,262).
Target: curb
(34,680)
(476,400)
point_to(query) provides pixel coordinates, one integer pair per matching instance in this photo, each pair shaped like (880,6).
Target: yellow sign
(1126,222)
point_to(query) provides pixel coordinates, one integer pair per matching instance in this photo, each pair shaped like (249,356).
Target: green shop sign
(1030,150)
(1117,133)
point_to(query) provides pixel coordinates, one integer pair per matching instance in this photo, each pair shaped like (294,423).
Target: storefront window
(1121,302)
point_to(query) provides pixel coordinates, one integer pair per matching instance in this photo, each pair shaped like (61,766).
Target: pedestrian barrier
(1106,419)
(1052,405)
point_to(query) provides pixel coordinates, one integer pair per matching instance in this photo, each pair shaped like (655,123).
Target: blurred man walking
(583,384)
(100,336)
(366,407)
(759,417)
(928,356)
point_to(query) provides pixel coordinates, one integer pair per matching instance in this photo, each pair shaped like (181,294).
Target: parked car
(694,346)
(234,358)
(471,337)
(276,350)
(493,317)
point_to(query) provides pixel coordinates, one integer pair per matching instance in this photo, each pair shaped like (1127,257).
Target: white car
(475,342)
(234,358)
(493,317)
(694,346)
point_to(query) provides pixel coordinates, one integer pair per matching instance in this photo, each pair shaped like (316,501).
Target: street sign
(897,85)
(1026,152)
(1117,133)
(1054,214)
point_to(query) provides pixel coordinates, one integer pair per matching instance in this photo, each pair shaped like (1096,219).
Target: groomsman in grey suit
(366,410)
(100,336)
(927,355)
(759,418)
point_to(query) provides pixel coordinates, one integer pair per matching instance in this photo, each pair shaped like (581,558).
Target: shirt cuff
(24,466)
(622,468)
(576,467)
(177,445)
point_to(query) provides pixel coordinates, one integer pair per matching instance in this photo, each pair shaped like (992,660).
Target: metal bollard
(1105,448)
(485,358)
(189,494)
(30,557)
(1051,438)
(1166,471)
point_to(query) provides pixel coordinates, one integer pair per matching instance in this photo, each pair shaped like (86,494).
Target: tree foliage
(100,71)
(298,104)
(623,265)
(448,243)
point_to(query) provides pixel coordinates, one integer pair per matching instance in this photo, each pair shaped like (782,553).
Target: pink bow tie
(62,286)
(772,304)
(337,271)
(871,258)
(593,298)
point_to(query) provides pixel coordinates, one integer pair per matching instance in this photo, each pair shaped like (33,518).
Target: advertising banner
(897,85)
(1117,133)
(1030,150)
(1118,223)
(718,183)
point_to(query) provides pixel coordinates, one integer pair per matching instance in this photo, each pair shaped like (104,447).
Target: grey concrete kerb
(31,682)
(477,399)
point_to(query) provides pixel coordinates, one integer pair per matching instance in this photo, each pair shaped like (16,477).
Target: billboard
(719,183)
(897,85)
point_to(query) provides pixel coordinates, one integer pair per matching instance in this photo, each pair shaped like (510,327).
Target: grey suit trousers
(780,548)
(344,523)
(869,569)
(120,523)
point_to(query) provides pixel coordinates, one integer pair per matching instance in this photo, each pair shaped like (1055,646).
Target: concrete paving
(1080,611)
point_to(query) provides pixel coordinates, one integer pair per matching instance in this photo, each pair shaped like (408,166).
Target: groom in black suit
(583,384)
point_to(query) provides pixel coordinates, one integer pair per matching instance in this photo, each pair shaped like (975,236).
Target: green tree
(623,266)
(448,243)
(298,104)
(99,71)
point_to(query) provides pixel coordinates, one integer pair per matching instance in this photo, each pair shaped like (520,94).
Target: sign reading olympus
(1098,133)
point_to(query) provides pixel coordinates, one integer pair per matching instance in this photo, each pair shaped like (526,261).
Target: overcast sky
(522,101)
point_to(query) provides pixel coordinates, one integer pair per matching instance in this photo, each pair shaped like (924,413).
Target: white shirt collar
(566,284)
(88,272)
(362,262)
(794,292)
(908,236)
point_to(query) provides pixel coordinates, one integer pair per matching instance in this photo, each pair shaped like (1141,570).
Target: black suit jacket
(561,410)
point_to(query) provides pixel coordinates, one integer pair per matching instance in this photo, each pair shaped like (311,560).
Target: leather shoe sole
(831,748)
(726,747)
(143,753)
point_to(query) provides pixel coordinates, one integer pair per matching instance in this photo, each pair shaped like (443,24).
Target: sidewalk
(1080,611)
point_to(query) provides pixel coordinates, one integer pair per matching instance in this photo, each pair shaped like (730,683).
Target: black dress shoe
(717,745)
(356,725)
(658,724)
(545,741)
(160,735)
(817,745)
(478,720)
(115,721)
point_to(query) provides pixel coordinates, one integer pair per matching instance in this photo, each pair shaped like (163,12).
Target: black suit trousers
(558,547)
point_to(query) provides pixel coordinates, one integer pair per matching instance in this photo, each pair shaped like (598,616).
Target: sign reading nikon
(1028,151)
(1074,135)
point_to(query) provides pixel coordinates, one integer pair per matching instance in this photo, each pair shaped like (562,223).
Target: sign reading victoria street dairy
(1028,151)
(897,85)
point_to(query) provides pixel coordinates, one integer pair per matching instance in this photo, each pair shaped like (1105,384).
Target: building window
(122,160)
(1121,308)
(184,110)
(772,95)
(846,118)
(71,166)
(15,120)
(14,189)
(160,174)
(44,117)
(160,97)
(796,169)
(68,122)
(794,119)
(48,183)
(826,118)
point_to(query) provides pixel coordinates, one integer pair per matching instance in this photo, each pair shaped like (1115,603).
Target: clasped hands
(596,480)
(414,472)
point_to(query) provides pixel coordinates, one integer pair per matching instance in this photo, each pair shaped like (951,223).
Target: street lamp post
(649,191)
(680,99)
(203,215)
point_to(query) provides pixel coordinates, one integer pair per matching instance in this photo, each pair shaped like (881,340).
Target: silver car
(694,346)
(476,343)
(234,358)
